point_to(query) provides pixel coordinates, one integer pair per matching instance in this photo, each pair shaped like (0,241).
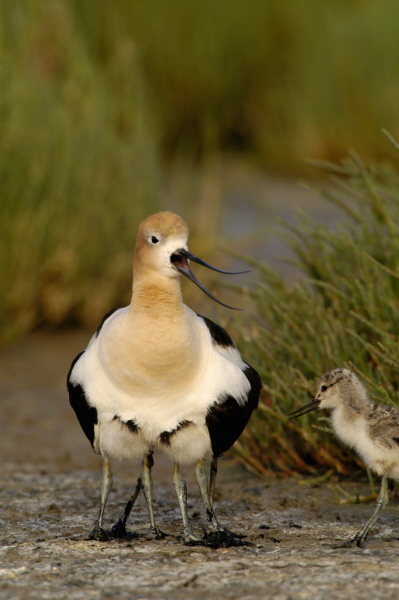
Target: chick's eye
(324,388)
(154,239)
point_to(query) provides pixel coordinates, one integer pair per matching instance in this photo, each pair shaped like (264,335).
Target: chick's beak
(312,405)
(180,260)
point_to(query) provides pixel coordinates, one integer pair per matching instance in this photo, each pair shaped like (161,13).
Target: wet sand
(49,500)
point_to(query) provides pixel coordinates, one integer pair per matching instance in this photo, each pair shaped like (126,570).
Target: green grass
(96,97)
(282,81)
(78,169)
(341,312)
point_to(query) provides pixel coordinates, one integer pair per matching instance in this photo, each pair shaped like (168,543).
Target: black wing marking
(226,419)
(218,334)
(105,317)
(86,414)
(166,436)
(130,424)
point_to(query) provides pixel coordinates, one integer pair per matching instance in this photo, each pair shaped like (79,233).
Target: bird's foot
(119,532)
(99,534)
(223,538)
(192,540)
(358,540)
(154,533)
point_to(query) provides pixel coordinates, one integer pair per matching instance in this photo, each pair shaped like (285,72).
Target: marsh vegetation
(102,101)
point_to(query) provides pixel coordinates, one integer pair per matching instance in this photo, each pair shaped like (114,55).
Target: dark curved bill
(312,405)
(180,261)
(187,254)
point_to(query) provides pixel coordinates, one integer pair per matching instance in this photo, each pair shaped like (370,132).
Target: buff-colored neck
(155,294)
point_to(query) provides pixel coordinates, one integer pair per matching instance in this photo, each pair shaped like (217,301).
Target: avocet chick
(372,430)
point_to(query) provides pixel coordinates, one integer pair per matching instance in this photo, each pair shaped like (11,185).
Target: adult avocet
(158,376)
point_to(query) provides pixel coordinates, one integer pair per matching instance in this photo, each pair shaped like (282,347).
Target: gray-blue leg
(212,479)
(146,482)
(190,538)
(382,501)
(216,535)
(98,532)
(202,480)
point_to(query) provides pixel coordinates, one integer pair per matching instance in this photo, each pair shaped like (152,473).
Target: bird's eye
(324,388)
(154,239)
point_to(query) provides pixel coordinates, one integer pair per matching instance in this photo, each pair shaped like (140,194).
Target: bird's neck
(357,401)
(348,424)
(155,338)
(156,295)
(352,411)
(347,416)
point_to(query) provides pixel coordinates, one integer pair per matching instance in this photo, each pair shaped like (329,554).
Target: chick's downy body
(372,430)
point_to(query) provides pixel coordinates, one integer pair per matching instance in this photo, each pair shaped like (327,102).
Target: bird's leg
(382,501)
(190,539)
(216,535)
(119,528)
(146,482)
(212,479)
(98,532)
(202,479)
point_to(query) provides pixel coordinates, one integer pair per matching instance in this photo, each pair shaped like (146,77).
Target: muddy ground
(49,496)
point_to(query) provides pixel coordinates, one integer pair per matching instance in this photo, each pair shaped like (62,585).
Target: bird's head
(162,247)
(336,387)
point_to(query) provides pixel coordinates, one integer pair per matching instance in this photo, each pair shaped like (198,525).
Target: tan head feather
(158,236)
(165,223)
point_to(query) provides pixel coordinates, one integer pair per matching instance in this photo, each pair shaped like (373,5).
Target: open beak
(180,259)
(312,405)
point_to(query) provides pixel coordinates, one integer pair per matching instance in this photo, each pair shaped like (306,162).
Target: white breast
(159,403)
(353,431)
